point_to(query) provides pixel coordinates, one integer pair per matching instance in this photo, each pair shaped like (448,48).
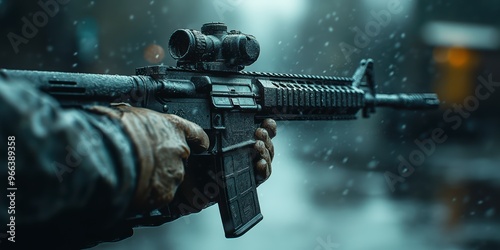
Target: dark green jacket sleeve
(74,171)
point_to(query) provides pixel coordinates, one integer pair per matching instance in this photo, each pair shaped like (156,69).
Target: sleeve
(75,171)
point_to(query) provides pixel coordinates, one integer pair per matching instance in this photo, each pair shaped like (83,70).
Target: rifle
(209,87)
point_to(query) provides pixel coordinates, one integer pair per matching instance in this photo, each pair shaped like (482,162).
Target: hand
(265,147)
(190,199)
(163,143)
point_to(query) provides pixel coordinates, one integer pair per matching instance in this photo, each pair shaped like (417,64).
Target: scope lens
(180,44)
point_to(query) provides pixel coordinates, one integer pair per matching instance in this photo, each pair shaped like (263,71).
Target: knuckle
(270,126)
(264,133)
(175,150)
(259,145)
(260,133)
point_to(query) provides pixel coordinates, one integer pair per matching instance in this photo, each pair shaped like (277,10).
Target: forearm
(72,167)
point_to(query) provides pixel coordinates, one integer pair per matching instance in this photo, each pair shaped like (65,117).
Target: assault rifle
(208,87)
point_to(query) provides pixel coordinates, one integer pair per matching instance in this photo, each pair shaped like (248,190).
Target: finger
(196,138)
(271,151)
(263,135)
(263,152)
(270,126)
(263,171)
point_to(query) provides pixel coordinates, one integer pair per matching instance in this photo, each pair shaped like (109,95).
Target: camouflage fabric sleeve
(74,170)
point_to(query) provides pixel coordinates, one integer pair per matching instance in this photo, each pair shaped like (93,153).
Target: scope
(213,48)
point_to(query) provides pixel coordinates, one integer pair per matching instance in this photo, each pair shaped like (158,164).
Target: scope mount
(213,48)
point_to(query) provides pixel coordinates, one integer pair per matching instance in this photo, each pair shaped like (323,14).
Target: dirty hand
(264,146)
(162,142)
(190,199)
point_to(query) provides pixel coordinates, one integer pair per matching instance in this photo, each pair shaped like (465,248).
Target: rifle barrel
(404,101)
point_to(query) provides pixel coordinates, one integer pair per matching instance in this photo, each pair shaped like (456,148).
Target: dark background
(329,188)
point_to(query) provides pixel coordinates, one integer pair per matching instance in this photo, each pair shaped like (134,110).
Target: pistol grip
(238,201)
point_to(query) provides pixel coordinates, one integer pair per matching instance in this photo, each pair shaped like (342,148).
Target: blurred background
(335,184)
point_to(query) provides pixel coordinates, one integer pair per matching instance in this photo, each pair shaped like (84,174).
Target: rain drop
(466,199)
(359,139)
(489,213)
(350,183)
(372,164)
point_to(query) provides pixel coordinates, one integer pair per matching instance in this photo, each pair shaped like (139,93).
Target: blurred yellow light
(458,57)
(457,69)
